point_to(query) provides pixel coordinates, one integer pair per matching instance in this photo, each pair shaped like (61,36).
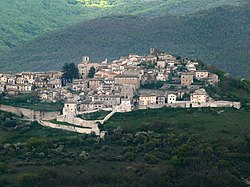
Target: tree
(91,73)
(70,72)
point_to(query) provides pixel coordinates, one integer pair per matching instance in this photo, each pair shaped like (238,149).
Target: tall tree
(70,72)
(91,73)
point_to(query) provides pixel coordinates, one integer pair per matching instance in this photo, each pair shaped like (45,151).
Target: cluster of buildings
(121,84)
(125,79)
(42,83)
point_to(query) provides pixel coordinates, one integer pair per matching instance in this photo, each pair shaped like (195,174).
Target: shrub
(27,179)
(150,158)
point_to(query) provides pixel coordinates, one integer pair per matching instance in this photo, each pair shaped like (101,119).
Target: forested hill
(217,36)
(23,20)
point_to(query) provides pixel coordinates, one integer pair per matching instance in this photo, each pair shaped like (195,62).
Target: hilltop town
(134,82)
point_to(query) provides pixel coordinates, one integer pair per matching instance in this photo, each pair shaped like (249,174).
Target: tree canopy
(91,73)
(70,72)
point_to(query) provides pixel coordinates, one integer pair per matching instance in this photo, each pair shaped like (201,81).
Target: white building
(172,98)
(162,77)
(161,64)
(191,67)
(201,74)
(70,109)
(125,106)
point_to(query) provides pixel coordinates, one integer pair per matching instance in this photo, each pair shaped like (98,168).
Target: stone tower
(85,59)
(152,51)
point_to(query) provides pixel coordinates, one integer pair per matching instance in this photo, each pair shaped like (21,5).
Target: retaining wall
(65,127)
(32,114)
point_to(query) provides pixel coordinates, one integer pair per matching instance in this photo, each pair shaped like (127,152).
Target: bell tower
(85,59)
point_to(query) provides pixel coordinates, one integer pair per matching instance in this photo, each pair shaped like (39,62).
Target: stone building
(128,79)
(70,109)
(213,79)
(186,79)
(146,100)
(95,83)
(199,96)
(201,74)
(85,65)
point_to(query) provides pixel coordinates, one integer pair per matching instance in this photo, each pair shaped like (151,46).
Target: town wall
(28,113)
(188,104)
(81,123)
(65,127)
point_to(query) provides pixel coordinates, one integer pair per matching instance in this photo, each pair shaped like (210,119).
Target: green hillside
(22,20)
(218,36)
(161,147)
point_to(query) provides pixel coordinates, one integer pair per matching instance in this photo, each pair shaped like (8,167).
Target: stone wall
(65,127)
(188,104)
(81,123)
(31,114)
(218,104)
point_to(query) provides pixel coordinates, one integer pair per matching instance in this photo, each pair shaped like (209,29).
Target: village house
(172,98)
(13,87)
(161,76)
(94,83)
(201,74)
(125,106)
(43,96)
(94,105)
(161,100)
(20,80)
(161,63)
(128,79)
(3,79)
(11,80)
(150,58)
(84,105)
(79,85)
(56,82)
(109,101)
(199,96)
(2,88)
(24,87)
(105,74)
(186,79)
(127,91)
(146,100)
(166,57)
(191,67)
(70,109)
(40,83)
(213,79)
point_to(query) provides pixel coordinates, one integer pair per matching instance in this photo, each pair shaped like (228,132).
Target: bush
(4,182)
(27,179)
(150,158)
(3,168)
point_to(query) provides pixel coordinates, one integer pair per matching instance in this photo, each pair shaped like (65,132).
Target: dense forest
(218,36)
(23,20)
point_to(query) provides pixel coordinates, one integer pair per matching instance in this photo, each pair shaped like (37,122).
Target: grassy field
(209,123)
(95,115)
